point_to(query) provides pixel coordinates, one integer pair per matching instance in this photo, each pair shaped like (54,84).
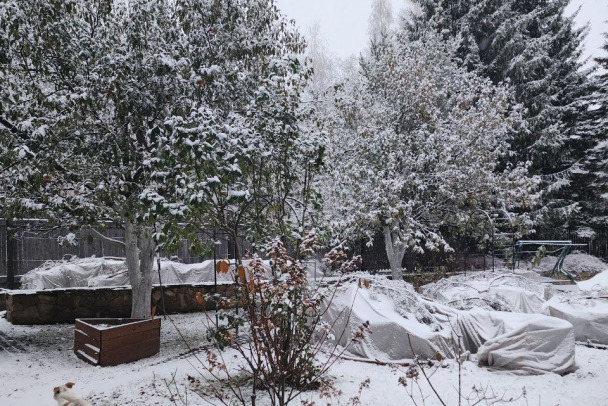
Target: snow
(598,285)
(500,290)
(589,316)
(496,348)
(390,330)
(29,377)
(524,344)
(575,263)
(583,305)
(535,338)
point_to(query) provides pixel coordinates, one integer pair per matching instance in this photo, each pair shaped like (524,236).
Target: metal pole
(214,264)
(160,284)
(11,257)
(493,247)
(215,276)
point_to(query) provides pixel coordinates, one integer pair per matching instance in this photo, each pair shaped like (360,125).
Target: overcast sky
(344,22)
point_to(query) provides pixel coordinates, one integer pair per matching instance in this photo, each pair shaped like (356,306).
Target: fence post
(11,257)
(8,254)
(3,249)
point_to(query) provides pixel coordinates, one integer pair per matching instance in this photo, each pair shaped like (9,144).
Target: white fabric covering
(526,343)
(597,286)
(489,290)
(389,338)
(589,316)
(95,272)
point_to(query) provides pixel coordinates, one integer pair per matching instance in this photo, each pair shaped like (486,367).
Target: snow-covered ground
(47,360)
(34,359)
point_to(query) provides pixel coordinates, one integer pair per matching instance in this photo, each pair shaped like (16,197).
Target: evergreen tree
(536,49)
(593,177)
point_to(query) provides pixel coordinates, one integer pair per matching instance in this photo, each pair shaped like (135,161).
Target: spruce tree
(534,47)
(593,177)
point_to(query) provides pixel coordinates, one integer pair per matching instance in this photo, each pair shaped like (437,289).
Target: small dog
(65,396)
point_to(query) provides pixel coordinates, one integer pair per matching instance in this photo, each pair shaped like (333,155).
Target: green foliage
(416,148)
(541,252)
(535,48)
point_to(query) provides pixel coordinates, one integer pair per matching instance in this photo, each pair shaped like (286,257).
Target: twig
(102,237)
(424,373)
(375,361)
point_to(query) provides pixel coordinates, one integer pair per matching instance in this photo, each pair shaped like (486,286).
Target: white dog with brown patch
(65,396)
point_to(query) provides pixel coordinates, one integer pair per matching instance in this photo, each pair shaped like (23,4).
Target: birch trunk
(140,260)
(395,252)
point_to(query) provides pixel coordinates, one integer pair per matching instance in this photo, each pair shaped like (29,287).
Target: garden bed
(113,341)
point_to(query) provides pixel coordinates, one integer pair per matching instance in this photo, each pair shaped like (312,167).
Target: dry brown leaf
(222,266)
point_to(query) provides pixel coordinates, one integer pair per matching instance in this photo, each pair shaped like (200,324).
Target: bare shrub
(282,341)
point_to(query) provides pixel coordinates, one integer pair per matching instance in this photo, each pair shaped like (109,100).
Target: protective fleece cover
(403,324)
(388,341)
(596,286)
(526,343)
(95,272)
(588,315)
(503,291)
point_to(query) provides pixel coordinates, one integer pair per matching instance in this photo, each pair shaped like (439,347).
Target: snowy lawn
(47,360)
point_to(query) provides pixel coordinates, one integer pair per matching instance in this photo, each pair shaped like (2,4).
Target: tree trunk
(140,260)
(395,252)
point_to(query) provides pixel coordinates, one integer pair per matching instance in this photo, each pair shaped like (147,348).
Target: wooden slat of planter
(127,329)
(122,355)
(131,340)
(80,340)
(126,341)
(111,321)
(90,350)
(87,330)
(85,357)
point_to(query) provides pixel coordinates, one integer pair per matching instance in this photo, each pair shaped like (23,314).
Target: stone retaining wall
(65,305)
(3,296)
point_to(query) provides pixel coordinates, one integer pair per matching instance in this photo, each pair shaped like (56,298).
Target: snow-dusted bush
(283,318)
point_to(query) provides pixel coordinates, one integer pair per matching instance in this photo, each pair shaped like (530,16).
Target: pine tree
(536,49)
(593,178)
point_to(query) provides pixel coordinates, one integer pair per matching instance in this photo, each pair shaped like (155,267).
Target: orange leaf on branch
(241,272)
(222,266)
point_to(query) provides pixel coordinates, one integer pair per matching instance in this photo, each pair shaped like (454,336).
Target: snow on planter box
(108,342)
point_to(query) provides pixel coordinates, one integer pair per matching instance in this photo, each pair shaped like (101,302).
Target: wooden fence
(596,240)
(466,258)
(27,245)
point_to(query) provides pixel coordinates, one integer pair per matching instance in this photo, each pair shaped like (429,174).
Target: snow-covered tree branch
(148,112)
(416,147)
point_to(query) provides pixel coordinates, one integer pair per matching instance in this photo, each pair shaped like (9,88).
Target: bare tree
(380,21)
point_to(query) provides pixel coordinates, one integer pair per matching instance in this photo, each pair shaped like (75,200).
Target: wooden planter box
(116,341)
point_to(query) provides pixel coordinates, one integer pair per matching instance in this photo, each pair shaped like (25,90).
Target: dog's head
(58,389)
